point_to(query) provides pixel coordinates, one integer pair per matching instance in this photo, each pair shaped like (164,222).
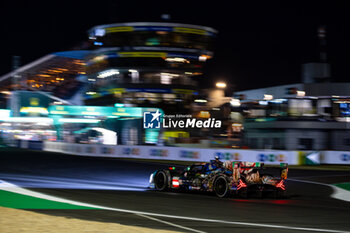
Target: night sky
(260,43)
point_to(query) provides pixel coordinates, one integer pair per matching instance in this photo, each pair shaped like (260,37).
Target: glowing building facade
(147,64)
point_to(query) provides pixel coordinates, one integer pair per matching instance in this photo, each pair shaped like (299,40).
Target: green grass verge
(19,201)
(343,185)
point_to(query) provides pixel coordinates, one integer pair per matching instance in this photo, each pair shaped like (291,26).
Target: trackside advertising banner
(174,153)
(335,157)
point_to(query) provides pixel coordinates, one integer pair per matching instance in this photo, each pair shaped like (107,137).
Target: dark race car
(229,178)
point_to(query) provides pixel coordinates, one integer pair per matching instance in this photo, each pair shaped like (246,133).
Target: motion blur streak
(276,202)
(12,188)
(31,181)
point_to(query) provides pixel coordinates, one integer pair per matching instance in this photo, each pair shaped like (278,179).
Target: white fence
(173,153)
(194,154)
(335,157)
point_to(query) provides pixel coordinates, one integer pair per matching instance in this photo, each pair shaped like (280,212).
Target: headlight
(151,178)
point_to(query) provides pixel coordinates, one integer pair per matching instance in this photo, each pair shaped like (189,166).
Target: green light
(78,120)
(152,41)
(119,105)
(265,119)
(98,111)
(151,135)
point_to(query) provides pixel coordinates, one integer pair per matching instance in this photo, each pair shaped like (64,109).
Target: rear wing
(239,168)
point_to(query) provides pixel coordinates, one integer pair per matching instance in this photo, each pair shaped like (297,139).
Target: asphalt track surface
(123,184)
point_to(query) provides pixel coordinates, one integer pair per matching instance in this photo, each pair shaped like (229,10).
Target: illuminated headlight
(151,178)
(100,32)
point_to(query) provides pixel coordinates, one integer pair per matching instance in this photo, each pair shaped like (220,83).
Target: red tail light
(241,185)
(281,185)
(176,183)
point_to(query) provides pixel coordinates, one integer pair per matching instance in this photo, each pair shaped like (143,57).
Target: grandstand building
(141,64)
(147,64)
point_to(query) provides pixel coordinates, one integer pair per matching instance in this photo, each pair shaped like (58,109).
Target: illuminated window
(165,79)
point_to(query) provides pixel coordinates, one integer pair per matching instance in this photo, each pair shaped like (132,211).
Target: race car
(229,178)
(250,177)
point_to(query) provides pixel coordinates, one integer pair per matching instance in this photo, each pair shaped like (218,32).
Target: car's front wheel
(161,181)
(221,188)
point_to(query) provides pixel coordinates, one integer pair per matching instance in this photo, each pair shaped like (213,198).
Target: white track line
(338,193)
(12,188)
(169,223)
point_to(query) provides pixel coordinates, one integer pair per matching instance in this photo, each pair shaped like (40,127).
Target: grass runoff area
(20,201)
(344,185)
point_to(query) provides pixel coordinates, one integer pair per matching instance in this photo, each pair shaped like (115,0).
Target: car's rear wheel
(161,181)
(221,187)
